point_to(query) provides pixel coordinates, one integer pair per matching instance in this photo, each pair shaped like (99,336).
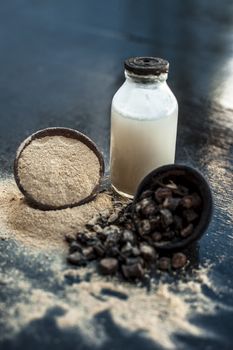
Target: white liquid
(139,146)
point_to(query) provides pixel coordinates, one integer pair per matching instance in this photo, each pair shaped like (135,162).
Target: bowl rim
(69,133)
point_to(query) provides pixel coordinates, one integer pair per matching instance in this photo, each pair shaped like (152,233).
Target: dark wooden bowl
(69,133)
(196,182)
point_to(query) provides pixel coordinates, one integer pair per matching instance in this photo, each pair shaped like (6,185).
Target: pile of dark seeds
(125,241)
(168,214)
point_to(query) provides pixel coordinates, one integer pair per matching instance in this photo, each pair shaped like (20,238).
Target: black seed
(155,222)
(114,293)
(76,259)
(162,193)
(84,237)
(144,227)
(112,239)
(134,260)
(147,252)
(196,200)
(138,207)
(186,202)
(166,216)
(108,266)
(133,271)
(171,203)
(179,260)
(129,225)
(156,236)
(75,247)
(146,194)
(127,249)
(128,236)
(177,222)
(150,209)
(190,215)
(187,231)
(144,202)
(89,253)
(191,201)
(99,249)
(164,263)
(112,251)
(135,251)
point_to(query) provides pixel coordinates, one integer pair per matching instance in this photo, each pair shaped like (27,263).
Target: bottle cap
(146,65)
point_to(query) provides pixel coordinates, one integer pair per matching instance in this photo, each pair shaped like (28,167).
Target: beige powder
(158,315)
(43,229)
(58,171)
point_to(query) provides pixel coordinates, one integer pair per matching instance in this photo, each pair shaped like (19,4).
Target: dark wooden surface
(61,63)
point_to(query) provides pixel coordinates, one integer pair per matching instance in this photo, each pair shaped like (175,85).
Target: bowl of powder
(58,168)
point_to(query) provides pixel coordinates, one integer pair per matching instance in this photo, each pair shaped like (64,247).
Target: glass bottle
(143,123)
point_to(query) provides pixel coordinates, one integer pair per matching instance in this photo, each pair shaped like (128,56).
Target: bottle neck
(145,79)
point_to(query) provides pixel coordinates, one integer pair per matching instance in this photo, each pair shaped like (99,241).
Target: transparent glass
(143,130)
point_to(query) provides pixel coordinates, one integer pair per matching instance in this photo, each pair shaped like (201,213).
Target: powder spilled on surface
(156,315)
(43,229)
(57,170)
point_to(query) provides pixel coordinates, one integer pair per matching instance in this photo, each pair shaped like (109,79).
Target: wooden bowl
(69,133)
(194,180)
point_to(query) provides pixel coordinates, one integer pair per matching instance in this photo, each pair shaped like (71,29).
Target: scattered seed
(75,247)
(164,263)
(128,236)
(144,227)
(127,249)
(108,266)
(149,210)
(76,259)
(89,253)
(179,260)
(147,252)
(125,239)
(133,271)
(99,249)
(134,260)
